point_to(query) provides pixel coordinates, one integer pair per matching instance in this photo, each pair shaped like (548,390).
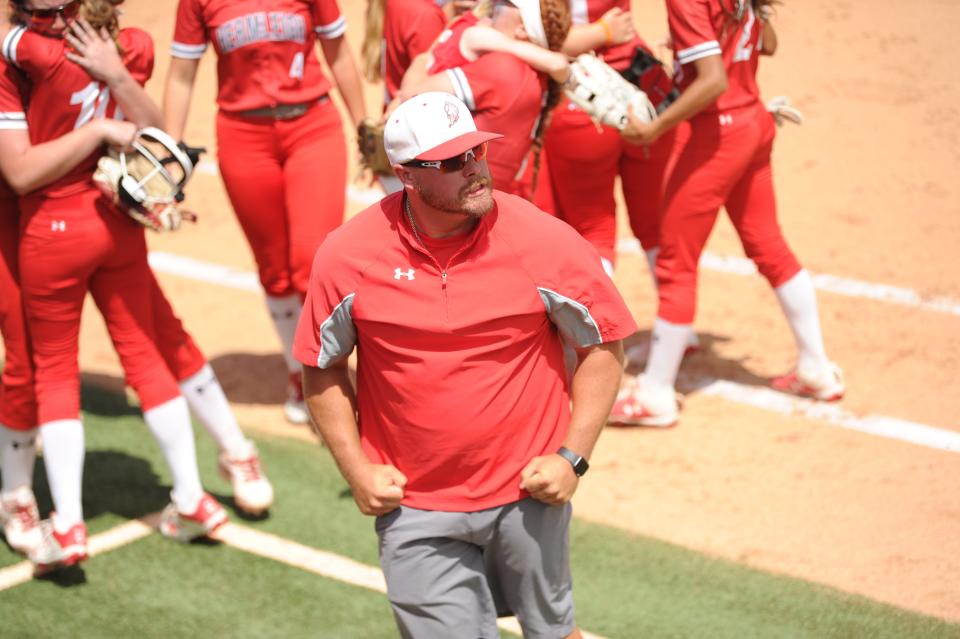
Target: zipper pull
(443,278)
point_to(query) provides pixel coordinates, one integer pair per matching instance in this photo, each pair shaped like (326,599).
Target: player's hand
(116,133)
(378,489)
(549,479)
(621,25)
(638,131)
(95,51)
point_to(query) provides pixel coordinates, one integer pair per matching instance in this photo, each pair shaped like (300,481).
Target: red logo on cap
(453,113)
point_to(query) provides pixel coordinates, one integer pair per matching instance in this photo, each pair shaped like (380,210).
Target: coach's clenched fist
(549,479)
(378,489)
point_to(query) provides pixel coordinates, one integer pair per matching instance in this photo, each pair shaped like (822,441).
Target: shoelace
(26,518)
(248,468)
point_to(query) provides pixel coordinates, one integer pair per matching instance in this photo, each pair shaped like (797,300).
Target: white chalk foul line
(891,427)
(97,544)
(846,286)
(266,545)
(830,413)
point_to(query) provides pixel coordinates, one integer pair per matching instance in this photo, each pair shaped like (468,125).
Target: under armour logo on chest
(397,273)
(58,225)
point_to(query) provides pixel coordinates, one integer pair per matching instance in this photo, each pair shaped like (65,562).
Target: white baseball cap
(431,126)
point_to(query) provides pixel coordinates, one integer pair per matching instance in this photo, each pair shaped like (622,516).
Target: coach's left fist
(549,479)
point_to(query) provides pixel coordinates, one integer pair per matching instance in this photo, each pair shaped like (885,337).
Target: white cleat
(21,520)
(252,491)
(824,383)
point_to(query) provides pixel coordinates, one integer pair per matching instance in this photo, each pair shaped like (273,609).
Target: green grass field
(626,585)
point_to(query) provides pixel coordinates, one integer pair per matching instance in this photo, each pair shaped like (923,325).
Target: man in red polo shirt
(460,301)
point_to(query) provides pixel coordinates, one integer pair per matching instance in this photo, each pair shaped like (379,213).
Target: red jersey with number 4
(64,97)
(409,28)
(702,28)
(266,50)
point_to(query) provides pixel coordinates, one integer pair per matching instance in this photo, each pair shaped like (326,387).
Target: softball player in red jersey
(585,160)
(72,241)
(722,158)
(18,406)
(519,109)
(280,139)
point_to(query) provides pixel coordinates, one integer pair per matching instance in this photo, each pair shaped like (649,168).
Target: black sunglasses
(67,10)
(456,163)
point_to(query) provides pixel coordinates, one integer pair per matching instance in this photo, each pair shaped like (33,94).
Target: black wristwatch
(579,464)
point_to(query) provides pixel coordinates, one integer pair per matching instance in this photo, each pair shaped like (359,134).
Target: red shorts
(719,160)
(584,165)
(287,182)
(70,246)
(18,404)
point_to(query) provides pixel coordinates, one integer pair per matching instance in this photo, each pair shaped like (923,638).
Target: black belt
(281,111)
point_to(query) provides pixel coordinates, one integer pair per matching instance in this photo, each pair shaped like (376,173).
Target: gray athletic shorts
(451,574)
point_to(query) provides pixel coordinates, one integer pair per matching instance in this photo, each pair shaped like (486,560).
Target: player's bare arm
(768,35)
(29,167)
(181,76)
(614,27)
(331,400)
(344,69)
(710,83)
(553,63)
(551,478)
(435,82)
(97,54)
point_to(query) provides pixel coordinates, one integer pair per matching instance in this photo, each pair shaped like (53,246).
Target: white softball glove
(779,107)
(604,94)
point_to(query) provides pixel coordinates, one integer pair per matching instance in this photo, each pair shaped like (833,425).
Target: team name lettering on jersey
(261,27)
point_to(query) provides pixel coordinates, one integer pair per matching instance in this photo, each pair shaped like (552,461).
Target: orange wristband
(607,30)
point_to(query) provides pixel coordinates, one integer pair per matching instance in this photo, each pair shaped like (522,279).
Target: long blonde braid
(556,23)
(372,49)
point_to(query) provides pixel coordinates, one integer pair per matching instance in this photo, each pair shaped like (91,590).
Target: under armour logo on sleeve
(397,273)
(58,226)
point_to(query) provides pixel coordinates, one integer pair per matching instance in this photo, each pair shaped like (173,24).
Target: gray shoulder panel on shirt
(338,335)
(571,318)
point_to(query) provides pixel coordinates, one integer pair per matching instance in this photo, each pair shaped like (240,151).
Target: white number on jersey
(93,100)
(296,67)
(744,48)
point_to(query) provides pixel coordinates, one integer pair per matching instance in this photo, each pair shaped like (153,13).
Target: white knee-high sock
(652,264)
(18,452)
(63,453)
(798,299)
(285,314)
(667,345)
(205,396)
(170,424)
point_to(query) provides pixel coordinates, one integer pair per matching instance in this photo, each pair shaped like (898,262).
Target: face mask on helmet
(147,180)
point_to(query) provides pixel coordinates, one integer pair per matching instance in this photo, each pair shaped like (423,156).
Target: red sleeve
(483,81)
(189,28)
(424,30)
(581,300)
(692,30)
(329,22)
(138,54)
(326,333)
(36,55)
(12,114)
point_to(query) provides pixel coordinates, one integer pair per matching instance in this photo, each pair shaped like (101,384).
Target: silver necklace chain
(413,222)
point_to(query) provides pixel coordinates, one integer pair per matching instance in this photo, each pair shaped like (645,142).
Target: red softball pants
(18,404)
(719,160)
(76,244)
(584,165)
(286,180)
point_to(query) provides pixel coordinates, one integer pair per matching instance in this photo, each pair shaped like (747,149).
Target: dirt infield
(868,190)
